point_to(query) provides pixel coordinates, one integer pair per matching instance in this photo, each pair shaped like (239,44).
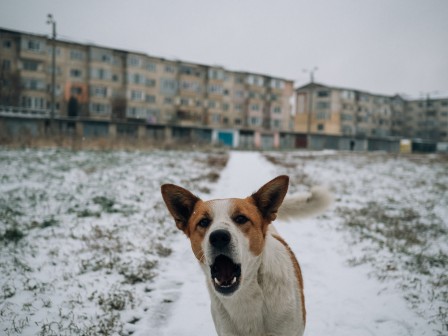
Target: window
(225,106)
(99,108)
(151,67)
(216,89)
(212,104)
(170,69)
(277,109)
(168,86)
(136,78)
(136,95)
(100,73)
(150,99)
(255,107)
(106,58)
(238,107)
(322,105)
(323,94)
(239,79)
(255,80)
(254,121)
(6,64)
(34,45)
(276,123)
(321,115)
(191,86)
(320,127)
(58,90)
(33,102)
(115,78)
(186,70)
(216,74)
(184,101)
(75,90)
(168,100)
(99,91)
(216,118)
(30,65)
(134,61)
(34,84)
(77,55)
(346,117)
(150,82)
(277,84)
(7,44)
(76,73)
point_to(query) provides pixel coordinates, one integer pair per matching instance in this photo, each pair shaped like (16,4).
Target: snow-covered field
(87,247)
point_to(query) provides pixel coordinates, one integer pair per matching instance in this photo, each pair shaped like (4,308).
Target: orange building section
(78,90)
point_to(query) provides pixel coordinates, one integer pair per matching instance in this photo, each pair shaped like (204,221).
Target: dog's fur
(254,280)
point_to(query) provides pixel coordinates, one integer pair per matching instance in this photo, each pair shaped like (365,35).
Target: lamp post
(310,107)
(50,20)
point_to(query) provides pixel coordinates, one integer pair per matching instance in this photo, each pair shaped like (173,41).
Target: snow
(69,275)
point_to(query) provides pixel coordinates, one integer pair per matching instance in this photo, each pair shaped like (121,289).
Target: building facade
(322,109)
(108,84)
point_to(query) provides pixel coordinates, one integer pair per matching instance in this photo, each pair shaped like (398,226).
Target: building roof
(139,53)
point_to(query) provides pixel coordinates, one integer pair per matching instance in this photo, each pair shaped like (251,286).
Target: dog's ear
(270,196)
(180,203)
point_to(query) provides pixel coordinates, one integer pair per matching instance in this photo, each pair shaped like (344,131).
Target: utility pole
(50,20)
(310,107)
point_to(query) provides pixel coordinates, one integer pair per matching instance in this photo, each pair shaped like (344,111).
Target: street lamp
(50,20)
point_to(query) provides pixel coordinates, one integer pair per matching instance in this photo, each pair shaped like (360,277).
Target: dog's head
(226,235)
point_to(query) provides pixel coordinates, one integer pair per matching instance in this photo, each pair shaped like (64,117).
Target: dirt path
(340,300)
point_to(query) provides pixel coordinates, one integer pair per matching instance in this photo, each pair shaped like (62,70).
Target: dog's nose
(220,238)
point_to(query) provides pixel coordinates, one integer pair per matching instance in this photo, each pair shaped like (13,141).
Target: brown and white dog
(254,280)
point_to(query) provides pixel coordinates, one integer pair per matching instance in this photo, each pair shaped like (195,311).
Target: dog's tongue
(223,269)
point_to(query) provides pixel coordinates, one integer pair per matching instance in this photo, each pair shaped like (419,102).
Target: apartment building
(108,84)
(322,109)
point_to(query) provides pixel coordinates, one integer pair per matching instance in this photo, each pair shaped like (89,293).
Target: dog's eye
(204,222)
(240,219)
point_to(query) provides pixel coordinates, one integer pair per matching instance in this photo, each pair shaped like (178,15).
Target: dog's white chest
(268,305)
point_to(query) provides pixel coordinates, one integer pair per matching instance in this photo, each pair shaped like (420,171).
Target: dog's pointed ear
(180,203)
(270,196)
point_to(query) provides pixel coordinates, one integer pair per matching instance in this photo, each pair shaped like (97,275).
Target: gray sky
(381,46)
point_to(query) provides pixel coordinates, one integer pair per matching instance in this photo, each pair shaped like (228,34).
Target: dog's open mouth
(225,274)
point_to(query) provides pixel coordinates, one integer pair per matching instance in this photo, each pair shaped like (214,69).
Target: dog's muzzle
(225,273)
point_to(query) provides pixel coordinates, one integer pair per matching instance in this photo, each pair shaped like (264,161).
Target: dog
(253,278)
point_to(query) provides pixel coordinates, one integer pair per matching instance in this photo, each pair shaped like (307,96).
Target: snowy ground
(87,246)
(82,235)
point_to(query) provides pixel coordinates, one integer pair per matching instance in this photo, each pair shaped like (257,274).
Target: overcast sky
(380,46)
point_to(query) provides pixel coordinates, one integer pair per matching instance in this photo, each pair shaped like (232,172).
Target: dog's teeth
(233,280)
(216,281)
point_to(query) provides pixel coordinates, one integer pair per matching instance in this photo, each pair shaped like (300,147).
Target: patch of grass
(49,222)
(115,300)
(106,204)
(13,234)
(88,213)
(140,273)
(218,161)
